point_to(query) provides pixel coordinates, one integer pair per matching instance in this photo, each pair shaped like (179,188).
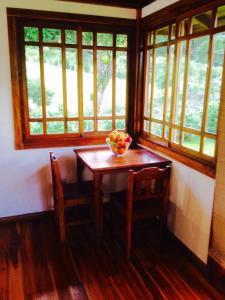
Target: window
(74,82)
(184,70)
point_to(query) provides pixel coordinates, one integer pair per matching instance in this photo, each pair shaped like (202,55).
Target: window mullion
(145,84)
(127,117)
(95,81)
(152,84)
(42,73)
(114,83)
(184,98)
(174,84)
(80,81)
(207,92)
(208,83)
(64,81)
(166,82)
(25,93)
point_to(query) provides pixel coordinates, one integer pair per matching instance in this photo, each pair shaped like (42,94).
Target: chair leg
(128,237)
(162,230)
(112,216)
(61,223)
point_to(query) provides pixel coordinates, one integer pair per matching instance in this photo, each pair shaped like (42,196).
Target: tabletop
(102,159)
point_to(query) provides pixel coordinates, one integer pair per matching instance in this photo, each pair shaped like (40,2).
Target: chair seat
(78,193)
(141,209)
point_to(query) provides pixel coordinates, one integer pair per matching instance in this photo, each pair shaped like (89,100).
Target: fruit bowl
(118,142)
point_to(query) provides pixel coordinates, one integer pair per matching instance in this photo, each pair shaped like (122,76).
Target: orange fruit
(120,142)
(121,150)
(120,136)
(112,136)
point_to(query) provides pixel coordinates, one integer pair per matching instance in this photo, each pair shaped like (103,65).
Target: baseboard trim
(216,273)
(26,217)
(203,267)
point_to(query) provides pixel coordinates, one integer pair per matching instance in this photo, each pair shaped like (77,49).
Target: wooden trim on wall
(137,72)
(190,161)
(63,142)
(27,217)
(171,12)
(15,78)
(216,271)
(76,18)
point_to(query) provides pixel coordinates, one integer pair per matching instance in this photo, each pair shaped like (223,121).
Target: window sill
(60,142)
(205,168)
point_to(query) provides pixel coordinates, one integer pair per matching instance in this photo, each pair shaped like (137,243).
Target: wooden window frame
(201,162)
(18,18)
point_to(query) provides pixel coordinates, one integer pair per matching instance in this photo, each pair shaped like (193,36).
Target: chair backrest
(57,183)
(149,183)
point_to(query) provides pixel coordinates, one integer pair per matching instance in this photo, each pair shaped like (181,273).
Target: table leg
(98,206)
(79,170)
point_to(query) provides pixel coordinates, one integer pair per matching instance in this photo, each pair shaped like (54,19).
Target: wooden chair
(67,195)
(146,197)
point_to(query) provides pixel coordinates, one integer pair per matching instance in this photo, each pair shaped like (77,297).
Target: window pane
(173,32)
(198,63)
(104,39)
(104,125)
(88,83)
(121,40)
(71,82)
(162,35)
(87,38)
(121,83)
(216,82)
(104,81)
(159,83)
(180,82)
(88,125)
(31,34)
(209,147)
(51,35)
(146,125)
(176,136)
(170,83)
(70,36)
(148,83)
(156,129)
(166,132)
(53,81)
(36,128)
(120,124)
(72,126)
(55,127)
(201,22)
(184,27)
(191,141)
(33,81)
(150,38)
(220,16)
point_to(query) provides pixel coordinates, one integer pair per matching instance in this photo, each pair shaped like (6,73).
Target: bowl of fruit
(118,142)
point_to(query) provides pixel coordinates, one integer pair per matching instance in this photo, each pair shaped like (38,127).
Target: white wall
(25,181)
(157,5)
(69,7)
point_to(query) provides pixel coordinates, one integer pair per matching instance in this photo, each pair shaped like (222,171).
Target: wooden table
(101,161)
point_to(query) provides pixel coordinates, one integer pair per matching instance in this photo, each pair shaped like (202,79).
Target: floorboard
(34,265)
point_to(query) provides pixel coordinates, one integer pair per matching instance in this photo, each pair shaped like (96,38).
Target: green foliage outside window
(53,79)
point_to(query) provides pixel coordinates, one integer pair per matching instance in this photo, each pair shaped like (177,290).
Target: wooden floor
(33,265)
